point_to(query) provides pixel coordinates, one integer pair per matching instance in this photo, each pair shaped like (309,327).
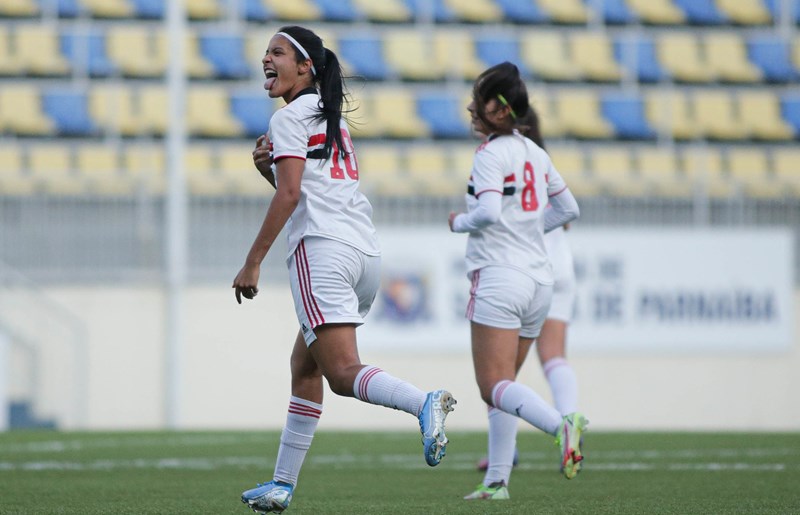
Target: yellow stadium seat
(380,171)
(796,52)
(565,11)
(660,167)
(679,53)
(430,170)
(100,166)
(613,170)
(301,10)
(745,12)
(112,108)
(593,54)
(109,8)
(407,52)
(579,112)
(456,55)
(153,109)
(146,166)
(19,8)
(361,116)
(749,166)
(715,113)
(14,180)
(571,165)
(197,67)
(786,169)
(726,55)
(132,48)
(462,158)
(203,9)
(384,11)
(670,113)
(21,111)
(208,113)
(545,52)
(39,51)
(760,112)
(476,11)
(703,168)
(549,124)
(51,166)
(202,177)
(396,113)
(236,164)
(9,64)
(657,12)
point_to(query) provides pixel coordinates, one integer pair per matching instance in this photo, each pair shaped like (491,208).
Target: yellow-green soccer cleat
(569,439)
(494,492)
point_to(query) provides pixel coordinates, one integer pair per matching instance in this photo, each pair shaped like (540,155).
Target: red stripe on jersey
(278,158)
(316,139)
(313,301)
(562,190)
(510,178)
(484,191)
(364,382)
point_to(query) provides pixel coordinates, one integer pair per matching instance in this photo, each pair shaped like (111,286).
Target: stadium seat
(546,53)
(715,113)
(638,55)
(253,111)
(70,111)
(787,173)
(771,55)
(657,12)
(385,11)
(443,114)
(364,53)
(145,165)
(570,161)
(497,48)
(202,174)
(617,12)
(86,50)
(299,10)
(131,48)
(523,11)
(14,178)
(461,159)
(431,10)
(429,170)
(149,9)
(395,112)
(153,110)
(703,168)
(456,54)
(660,168)
(726,55)
(51,168)
(197,67)
(475,11)
(39,52)
(579,113)
(745,12)
(565,11)
(612,169)
(338,10)
(68,8)
(700,12)
(626,114)
(9,63)
(407,52)
(208,113)
(593,55)
(109,8)
(549,124)
(669,113)
(381,173)
(99,166)
(796,52)
(790,111)
(236,165)
(21,112)
(19,9)
(203,10)
(749,166)
(257,11)
(226,53)
(112,109)
(679,53)
(760,112)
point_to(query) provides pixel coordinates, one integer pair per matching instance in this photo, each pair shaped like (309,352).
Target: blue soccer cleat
(272,497)
(431,424)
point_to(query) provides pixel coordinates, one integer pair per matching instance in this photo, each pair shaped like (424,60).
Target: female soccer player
(333,258)
(512,181)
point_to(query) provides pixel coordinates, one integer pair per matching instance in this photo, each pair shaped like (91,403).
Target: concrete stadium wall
(235,373)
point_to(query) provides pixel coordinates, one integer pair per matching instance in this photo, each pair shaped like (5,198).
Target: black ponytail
(501,82)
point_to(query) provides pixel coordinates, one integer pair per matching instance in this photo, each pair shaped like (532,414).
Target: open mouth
(271,76)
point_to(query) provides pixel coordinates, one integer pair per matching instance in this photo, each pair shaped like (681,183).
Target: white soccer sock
(502,444)
(517,399)
(301,422)
(375,386)
(563,384)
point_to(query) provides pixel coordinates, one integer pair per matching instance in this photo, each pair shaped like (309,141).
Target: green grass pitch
(204,473)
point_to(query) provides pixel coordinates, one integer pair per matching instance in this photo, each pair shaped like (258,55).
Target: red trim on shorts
(304,410)
(315,307)
(313,313)
(364,382)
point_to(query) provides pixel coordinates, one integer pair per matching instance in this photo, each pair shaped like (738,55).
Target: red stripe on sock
(364,382)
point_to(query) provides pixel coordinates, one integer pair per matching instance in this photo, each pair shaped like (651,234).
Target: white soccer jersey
(330,204)
(516,167)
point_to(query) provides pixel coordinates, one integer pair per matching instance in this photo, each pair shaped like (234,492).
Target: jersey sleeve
(487,171)
(289,134)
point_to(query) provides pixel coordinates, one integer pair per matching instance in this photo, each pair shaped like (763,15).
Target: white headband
(299,47)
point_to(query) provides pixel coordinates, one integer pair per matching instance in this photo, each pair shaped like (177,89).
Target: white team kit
(334,256)
(507,261)
(562,305)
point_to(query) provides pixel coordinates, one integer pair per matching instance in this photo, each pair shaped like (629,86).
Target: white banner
(645,290)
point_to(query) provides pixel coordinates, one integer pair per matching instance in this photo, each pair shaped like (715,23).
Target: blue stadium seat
(337,10)
(75,46)
(69,110)
(790,110)
(771,54)
(365,55)
(149,9)
(523,11)
(68,8)
(646,64)
(616,12)
(626,115)
(494,50)
(701,12)
(420,8)
(255,10)
(442,113)
(775,7)
(226,54)
(253,111)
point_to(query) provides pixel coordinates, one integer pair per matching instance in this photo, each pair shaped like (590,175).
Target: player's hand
(246,282)
(450,219)
(262,156)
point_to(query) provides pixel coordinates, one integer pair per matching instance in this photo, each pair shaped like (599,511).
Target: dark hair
(503,83)
(528,125)
(328,78)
